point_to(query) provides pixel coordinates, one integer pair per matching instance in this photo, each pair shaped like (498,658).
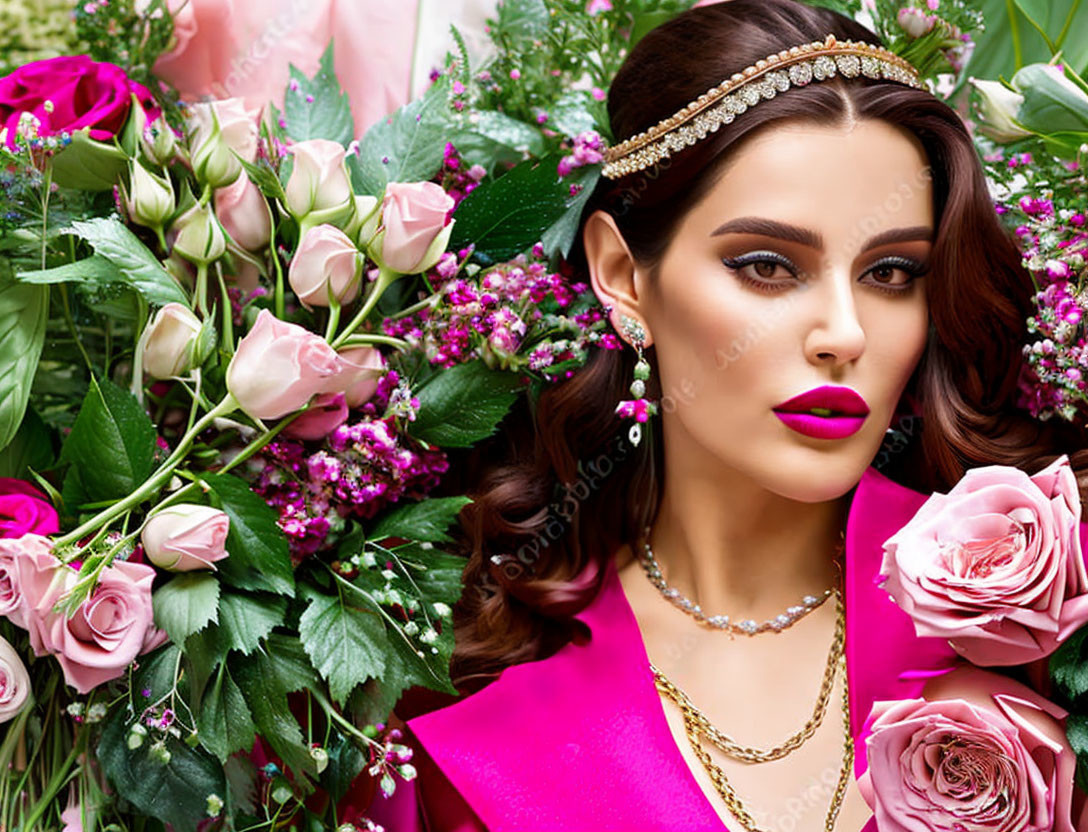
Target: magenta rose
(107,632)
(995,566)
(81,93)
(25,510)
(993,759)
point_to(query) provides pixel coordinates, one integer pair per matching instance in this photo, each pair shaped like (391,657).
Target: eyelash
(911,267)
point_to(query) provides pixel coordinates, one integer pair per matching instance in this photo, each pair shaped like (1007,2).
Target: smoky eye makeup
(742,264)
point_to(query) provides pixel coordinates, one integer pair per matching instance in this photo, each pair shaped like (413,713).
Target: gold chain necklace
(696,723)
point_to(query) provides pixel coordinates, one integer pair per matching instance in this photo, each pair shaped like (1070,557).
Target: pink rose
(169,341)
(995,566)
(186,537)
(326,413)
(327,261)
(106,633)
(242,210)
(12,552)
(81,92)
(364,367)
(14,682)
(279,367)
(415,228)
(25,510)
(319,182)
(993,759)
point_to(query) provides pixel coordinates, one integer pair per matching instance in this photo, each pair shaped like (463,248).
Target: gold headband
(764,79)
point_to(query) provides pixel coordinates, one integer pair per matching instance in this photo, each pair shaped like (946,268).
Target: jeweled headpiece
(764,79)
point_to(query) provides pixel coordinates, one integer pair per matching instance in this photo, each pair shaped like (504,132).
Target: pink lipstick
(824,412)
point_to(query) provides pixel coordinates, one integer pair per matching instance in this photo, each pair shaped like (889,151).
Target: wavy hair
(557,490)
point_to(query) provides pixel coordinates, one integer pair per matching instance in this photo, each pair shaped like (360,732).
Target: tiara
(764,79)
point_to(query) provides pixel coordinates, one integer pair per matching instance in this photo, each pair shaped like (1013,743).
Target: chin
(817,475)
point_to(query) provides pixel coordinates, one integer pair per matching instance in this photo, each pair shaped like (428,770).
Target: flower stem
(155,481)
(385,277)
(201,299)
(227,341)
(334,316)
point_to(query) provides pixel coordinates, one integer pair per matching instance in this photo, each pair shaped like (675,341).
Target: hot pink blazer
(579,741)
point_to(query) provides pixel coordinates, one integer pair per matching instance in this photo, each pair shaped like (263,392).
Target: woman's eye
(897,274)
(763,270)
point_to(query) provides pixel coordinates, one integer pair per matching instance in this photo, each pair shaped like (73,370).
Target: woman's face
(801,269)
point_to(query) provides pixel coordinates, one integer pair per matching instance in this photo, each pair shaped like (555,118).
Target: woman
(820,270)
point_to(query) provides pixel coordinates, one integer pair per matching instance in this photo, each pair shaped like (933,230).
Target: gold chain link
(696,723)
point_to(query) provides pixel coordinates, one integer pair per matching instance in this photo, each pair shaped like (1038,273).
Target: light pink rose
(279,367)
(415,229)
(25,510)
(992,759)
(995,566)
(326,260)
(325,413)
(211,148)
(106,633)
(364,367)
(242,210)
(186,537)
(319,179)
(12,551)
(14,682)
(167,343)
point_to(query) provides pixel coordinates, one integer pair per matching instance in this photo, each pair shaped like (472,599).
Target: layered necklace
(696,725)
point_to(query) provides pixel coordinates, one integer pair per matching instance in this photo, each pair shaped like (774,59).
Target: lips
(824,412)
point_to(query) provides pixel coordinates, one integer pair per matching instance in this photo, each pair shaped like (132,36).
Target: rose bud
(158,141)
(279,367)
(327,262)
(415,230)
(14,682)
(326,413)
(364,220)
(221,129)
(150,198)
(186,537)
(998,106)
(200,238)
(169,342)
(318,190)
(243,211)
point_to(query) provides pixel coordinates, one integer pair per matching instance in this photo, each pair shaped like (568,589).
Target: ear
(612,269)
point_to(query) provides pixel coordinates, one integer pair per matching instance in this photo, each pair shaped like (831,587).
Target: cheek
(896,338)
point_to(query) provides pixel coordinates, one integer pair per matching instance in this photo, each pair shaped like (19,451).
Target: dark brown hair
(558,490)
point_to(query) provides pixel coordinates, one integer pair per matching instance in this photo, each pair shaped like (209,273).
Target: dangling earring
(639,408)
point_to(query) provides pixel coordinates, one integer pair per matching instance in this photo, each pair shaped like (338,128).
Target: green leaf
(175,793)
(426,520)
(346,762)
(436,573)
(345,641)
(24,311)
(1052,103)
(1069,665)
(507,215)
(245,619)
(259,557)
(462,405)
(316,108)
(571,114)
(88,165)
(224,723)
(526,19)
(136,264)
(1076,729)
(264,178)
(185,604)
(560,236)
(31,448)
(508,132)
(112,443)
(406,146)
(93,269)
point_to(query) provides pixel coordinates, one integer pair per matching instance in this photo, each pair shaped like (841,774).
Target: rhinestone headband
(764,79)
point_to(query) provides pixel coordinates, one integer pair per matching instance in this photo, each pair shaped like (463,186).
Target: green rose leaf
(224,723)
(462,405)
(259,557)
(245,619)
(316,108)
(111,446)
(24,311)
(185,604)
(89,165)
(404,147)
(31,449)
(94,270)
(344,640)
(264,178)
(426,520)
(134,262)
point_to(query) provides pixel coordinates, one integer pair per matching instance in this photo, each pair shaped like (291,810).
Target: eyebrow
(812,239)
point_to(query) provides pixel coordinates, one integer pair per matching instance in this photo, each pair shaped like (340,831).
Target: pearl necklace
(746,627)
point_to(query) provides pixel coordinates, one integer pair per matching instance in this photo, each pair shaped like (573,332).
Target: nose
(836,335)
